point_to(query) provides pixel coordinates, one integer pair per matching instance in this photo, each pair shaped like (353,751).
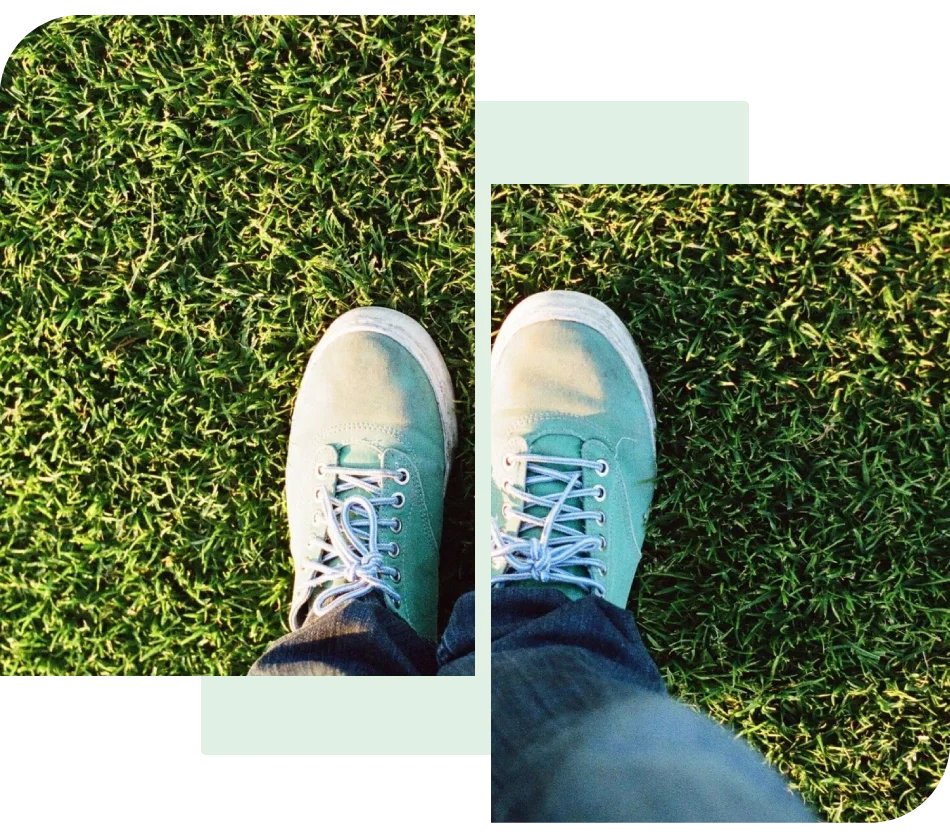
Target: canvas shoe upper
(573,449)
(371,442)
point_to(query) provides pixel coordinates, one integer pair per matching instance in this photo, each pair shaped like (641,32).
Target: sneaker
(371,443)
(573,449)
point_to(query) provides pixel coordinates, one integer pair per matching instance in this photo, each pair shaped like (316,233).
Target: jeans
(364,637)
(582,726)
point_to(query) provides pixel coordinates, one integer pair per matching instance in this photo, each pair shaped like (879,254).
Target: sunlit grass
(187,203)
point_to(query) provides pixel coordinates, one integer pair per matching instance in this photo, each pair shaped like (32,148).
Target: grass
(795,577)
(187,203)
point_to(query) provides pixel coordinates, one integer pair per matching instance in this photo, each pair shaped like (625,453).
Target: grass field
(187,203)
(795,577)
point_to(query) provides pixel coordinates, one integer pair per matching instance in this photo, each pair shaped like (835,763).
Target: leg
(361,638)
(582,728)
(456,654)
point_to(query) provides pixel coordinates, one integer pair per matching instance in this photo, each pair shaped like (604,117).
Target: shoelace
(352,529)
(559,547)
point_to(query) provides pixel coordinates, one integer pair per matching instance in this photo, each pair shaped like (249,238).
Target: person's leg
(581,726)
(371,443)
(583,730)
(361,638)
(456,653)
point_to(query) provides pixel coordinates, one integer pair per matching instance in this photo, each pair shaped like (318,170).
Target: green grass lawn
(795,577)
(187,203)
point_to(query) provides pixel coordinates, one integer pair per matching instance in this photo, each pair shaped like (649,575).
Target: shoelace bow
(550,556)
(352,529)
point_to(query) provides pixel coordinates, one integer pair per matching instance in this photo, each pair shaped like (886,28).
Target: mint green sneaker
(371,443)
(573,449)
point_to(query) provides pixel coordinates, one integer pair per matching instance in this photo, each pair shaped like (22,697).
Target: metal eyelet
(321,470)
(601,519)
(397,603)
(395,551)
(603,467)
(504,510)
(509,463)
(400,499)
(402,477)
(603,543)
(397,526)
(397,577)
(600,494)
(317,492)
(603,571)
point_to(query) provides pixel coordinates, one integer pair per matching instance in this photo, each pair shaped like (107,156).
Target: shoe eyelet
(317,518)
(317,492)
(321,470)
(509,462)
(396,603)
(400,499)
(395,551)
(397,526)
(603,468)
(600,494)
(402,477)
(397,577)
(504,511)
(601,519)
(603,543)
(506,486)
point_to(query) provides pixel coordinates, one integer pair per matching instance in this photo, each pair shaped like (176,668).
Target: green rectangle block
(612,142)
(517,142)
(343,716)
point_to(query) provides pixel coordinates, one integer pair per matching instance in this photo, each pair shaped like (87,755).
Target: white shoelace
(549,556)
(352,529)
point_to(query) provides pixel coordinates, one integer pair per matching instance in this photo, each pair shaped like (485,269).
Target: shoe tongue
(554,445)
(359,456)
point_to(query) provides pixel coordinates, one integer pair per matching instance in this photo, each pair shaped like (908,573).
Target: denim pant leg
(456,652)
(583,730)
(360,638)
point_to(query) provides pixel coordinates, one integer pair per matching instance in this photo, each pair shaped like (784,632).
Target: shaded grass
(187,204)
(795,576)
